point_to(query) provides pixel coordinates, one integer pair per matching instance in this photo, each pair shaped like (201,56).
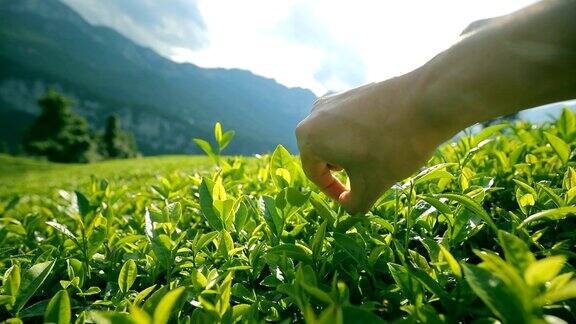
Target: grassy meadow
(19,175)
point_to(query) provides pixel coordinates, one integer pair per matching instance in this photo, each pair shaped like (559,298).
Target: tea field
(484,233)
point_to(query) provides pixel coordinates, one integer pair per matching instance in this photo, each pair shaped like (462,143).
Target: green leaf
(550,214)
(164,308)
(432,285)
(316,292)
(452,263)
(223,303)
(347,222)
(84,206)
(207,205)
(162,247)
(564,292)
(113,318)
(553,196)
(127,275)
(526,187)
(318,240)
(473,151)
(271,215)
(544,270)
(295,197)
(62,229)
(322,209)
(293,251)
(174,211)
(58,310)
(11,281)
(139,316)
(352,248)
(204,240)
(239,310)
(355,314)
(437,174)
(503,301)
(409,286)
(226,138)
(143,294)
(90,291)
(559,146)
(218,132)
(473,207)
(516,251)
(32,279)
(281,160)
(486,132)
(566,123)
(436,203)
(434,172)
(205,146)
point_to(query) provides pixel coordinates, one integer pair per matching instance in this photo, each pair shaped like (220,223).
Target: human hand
(375,133)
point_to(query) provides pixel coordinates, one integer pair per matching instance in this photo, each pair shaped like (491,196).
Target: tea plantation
(485,233)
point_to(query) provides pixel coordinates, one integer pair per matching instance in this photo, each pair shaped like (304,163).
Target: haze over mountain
(45,43)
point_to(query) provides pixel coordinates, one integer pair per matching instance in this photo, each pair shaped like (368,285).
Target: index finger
(318,172)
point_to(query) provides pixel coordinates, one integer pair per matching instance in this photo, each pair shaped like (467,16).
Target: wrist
(438,109)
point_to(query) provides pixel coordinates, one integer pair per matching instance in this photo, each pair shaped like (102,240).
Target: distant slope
(23,176)
(44,43)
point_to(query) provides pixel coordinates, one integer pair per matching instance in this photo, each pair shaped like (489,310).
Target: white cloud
(332,45)
(157,24)
(318,44)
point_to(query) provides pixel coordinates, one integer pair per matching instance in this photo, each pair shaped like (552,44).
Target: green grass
(20,175)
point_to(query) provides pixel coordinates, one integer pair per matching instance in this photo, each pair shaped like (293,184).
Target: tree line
(61,135)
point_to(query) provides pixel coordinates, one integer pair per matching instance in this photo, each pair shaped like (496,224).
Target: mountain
(44,43)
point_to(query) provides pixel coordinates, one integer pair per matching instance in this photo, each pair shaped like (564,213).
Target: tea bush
(484,233)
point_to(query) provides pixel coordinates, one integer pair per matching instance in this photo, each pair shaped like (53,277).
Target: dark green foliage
(483,233)
(58,133)
(115,142)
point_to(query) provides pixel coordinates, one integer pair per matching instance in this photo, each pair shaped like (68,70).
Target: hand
(374,132)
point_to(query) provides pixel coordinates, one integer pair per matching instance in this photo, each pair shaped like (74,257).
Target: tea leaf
(32,279)
(58,309)
(544,270)
(551,214)
(127,276)
(163,310)
(559,146)
(495,294)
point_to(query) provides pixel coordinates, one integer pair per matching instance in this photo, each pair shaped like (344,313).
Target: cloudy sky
(317,44)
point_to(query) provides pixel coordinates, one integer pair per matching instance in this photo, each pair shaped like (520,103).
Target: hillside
(25,176)
(45,43)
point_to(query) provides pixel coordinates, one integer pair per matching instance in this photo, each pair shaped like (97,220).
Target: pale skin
(383,132)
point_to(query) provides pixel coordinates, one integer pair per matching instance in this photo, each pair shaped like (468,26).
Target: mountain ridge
(44,42)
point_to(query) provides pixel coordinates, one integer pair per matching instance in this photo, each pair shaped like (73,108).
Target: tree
(58,133)
(115,142)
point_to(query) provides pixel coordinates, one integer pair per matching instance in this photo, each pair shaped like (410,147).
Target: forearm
(521,61)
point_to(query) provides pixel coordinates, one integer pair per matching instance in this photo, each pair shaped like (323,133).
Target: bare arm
(382,132)
(522,60)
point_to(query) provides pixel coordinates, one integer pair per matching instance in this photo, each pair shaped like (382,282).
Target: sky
(322,45)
